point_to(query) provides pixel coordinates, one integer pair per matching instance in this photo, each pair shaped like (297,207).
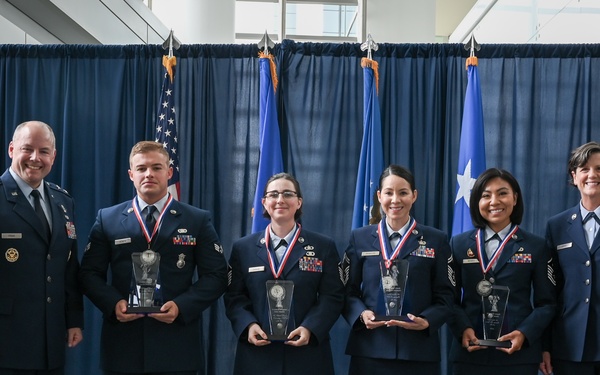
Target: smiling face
(396,199)
(32,151)
(587,180)
(282,208)
(497,203)
(150,173)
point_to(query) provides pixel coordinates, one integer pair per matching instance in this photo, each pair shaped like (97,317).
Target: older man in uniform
(41,308)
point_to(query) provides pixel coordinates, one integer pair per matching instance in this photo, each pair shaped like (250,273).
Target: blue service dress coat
(429,294)
(575,330)
(526,268)
(39,297)
(145,344)
(317,302)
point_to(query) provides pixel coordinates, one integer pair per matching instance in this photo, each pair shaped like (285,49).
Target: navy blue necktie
(589,216)
(150,220)
(494,237)
(37,204)
(280,249)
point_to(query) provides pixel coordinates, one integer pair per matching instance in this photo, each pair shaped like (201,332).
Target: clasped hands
(169,312)
(470,341)
(416,323)
(298,337)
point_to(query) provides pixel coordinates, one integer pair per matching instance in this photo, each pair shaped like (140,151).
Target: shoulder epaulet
(54,186)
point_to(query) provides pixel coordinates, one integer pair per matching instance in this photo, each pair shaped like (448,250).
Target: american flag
(166,128)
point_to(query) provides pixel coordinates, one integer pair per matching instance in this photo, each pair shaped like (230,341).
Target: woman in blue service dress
(407,342)
(308,260)
(501,261)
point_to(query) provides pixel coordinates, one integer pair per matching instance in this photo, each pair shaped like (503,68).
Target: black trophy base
(277,338)
(493,343)
(143,310)
(385,318)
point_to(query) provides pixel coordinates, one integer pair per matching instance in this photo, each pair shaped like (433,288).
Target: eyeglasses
(274,194)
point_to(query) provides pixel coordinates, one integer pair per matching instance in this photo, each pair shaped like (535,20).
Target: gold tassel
(368,63)
(272,65)
(169,63)
(471,61)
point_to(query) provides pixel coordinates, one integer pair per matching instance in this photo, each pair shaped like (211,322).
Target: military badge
(11,255)
(181,261)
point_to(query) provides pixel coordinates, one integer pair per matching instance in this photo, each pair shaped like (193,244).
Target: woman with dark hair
(394,263)
(285,292)
(506,284)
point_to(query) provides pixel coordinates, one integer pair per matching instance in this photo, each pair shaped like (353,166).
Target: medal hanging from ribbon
(484,287)
(276,270)
(150,236)
(481,248)
(386,248)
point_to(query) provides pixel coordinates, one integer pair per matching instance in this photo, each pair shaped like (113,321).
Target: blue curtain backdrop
(539,102)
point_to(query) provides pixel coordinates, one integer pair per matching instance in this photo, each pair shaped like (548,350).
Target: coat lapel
(170,223)
(132,228)
(297,253)
(21,207)
(511,248)
(261,249)
(575,229)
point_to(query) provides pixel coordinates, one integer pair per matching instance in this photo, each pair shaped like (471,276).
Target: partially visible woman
(495,255)
(397,346)
(307,259)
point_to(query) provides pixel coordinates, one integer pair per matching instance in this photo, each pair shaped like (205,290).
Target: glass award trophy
(393,282)
(493,304)
(279,295)
(144,297)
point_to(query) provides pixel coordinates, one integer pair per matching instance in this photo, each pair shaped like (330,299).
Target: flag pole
(166,126)
(270,160)
(370,163)
(471,154)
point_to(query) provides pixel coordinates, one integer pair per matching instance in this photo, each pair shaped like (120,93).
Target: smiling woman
(399,287)
(285,292)
(500,264)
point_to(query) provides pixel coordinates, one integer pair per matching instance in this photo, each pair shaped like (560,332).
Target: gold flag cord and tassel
(271,58)
(471,61)
(169,63)
(368,63)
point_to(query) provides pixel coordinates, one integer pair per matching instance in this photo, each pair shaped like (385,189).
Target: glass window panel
(254,17)
(320,20)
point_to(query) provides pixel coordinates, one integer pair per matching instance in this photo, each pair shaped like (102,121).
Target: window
(304,20)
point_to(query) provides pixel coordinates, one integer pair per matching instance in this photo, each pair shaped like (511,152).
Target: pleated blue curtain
(539,102)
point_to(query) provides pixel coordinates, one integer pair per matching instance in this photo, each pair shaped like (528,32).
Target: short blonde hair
(143,147)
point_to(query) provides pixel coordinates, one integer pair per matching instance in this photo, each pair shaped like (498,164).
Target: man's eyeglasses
(274,194)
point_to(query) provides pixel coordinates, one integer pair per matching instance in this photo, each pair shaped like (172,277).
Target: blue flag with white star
(371,153)
(471,156)
(270,159)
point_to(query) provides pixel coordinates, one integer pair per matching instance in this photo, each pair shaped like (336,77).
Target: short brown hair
(143,147)
(580,156)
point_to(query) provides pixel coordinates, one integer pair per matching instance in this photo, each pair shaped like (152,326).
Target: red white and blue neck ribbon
(136,209)
(386,247)
(277,269)
(480,240)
